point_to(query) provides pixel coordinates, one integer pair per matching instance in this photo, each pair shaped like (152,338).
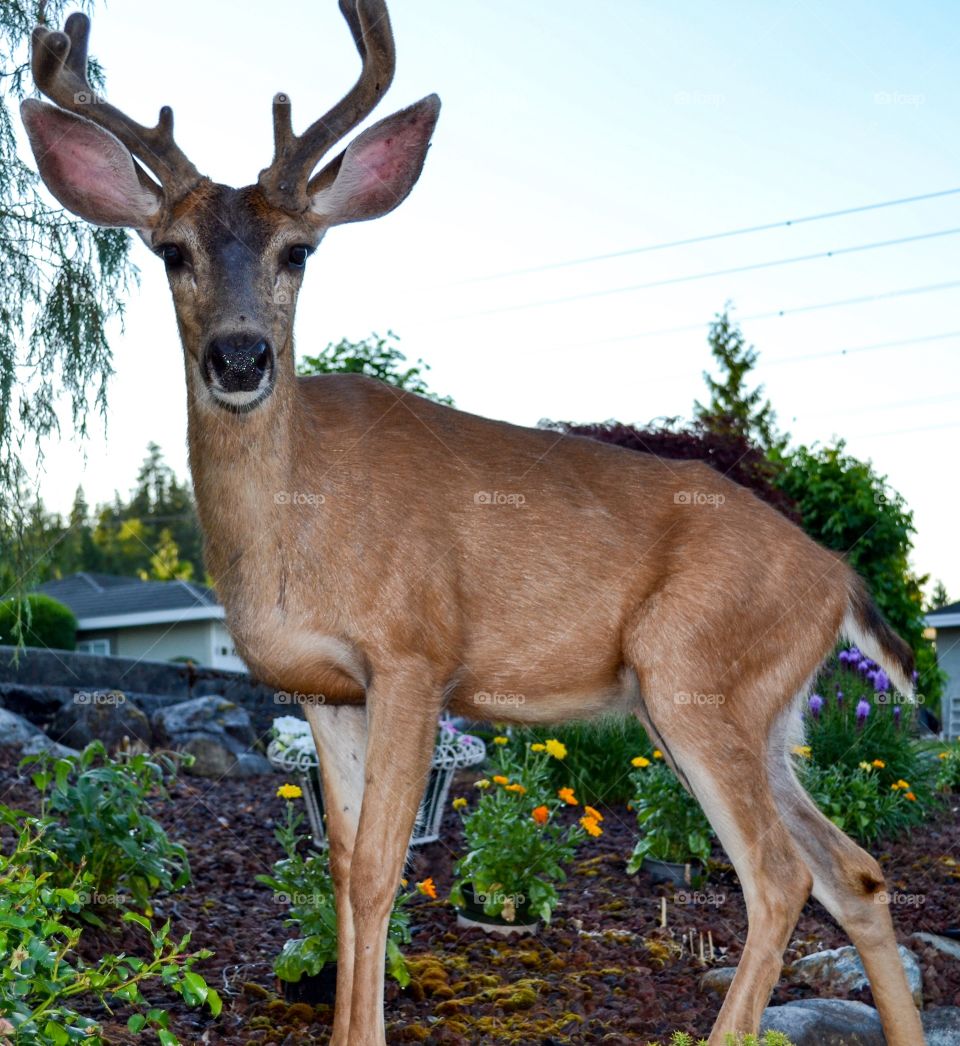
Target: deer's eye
(172,255)
(297,256)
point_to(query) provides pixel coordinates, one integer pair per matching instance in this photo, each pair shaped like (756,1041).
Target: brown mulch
(604,971)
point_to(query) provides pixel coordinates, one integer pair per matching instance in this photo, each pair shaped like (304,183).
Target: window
(94,646)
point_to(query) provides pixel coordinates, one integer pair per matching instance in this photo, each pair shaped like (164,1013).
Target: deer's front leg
(340,734)
(402,709)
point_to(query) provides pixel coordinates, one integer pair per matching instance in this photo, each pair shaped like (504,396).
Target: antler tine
(59,63)
(295,157)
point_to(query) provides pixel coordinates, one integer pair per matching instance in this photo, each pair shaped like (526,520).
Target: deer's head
(234,257)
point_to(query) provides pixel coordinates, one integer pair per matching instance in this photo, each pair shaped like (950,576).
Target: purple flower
(881,681)
(916,675)
(863,710)
(839,696)
(871,677)
(844,657)
(816,704)
(896,714)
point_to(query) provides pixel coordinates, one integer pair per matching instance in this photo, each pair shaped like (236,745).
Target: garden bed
(604,971)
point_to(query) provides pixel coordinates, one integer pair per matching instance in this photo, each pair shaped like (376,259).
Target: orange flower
(910,796)
(878,763)
(590,826)
(516,788)
(566,794)
(428,888)
(500,779)
(595,814)
(540,814)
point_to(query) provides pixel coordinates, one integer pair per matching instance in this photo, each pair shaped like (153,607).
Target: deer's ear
(378,169)
(87,169)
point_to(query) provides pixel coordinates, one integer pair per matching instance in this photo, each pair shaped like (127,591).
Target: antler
(60,71)
(285,181)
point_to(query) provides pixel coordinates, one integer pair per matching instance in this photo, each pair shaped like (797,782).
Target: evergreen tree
(939,597)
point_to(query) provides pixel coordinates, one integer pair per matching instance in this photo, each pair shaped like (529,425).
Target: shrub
(303,881)
(672,825)
(41,972)
(43,622)
(597,754)
(95,815)
(948,771)
(517,840)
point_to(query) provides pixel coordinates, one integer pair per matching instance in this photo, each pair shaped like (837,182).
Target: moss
(300,1013)
(256,991)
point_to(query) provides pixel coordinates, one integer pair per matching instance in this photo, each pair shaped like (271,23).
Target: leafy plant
(95,814)
(40,621)
(517,840)
(303,881)
(41,972)
(769,1038)
(948,770)
(672,825)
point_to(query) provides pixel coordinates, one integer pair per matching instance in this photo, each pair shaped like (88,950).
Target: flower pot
(315,989)
(471,914)
(687,874)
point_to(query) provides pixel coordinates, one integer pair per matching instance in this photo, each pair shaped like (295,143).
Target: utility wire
(775,263)
(743,231)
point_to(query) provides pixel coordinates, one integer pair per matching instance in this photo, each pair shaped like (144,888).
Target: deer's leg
(340,734)
(724,765)
(849,883)
(403,706)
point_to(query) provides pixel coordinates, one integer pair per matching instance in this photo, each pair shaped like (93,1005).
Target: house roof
(945,617)
(108,601)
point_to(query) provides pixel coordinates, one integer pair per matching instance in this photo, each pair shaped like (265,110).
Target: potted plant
(674,845)
(307,964)
(518,841)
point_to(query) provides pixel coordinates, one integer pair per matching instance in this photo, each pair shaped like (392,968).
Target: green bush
(41,972)
(597,765)
(948,771)
(40,621)
(96,817)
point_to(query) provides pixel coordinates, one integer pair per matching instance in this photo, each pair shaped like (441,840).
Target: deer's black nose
(238,363)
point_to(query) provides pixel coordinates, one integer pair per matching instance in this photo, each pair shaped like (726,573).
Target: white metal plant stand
(292,751)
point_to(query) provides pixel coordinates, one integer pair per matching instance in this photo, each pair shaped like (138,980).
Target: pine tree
(939,597)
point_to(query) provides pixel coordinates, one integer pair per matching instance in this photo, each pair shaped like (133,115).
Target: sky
(571,130)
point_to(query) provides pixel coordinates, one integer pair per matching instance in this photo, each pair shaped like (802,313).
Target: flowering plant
(948,770)
(517,837)
(673,827)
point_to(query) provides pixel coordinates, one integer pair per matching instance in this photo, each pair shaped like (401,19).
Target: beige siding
(165,642)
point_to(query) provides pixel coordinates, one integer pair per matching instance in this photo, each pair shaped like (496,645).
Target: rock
(941,1025)
(717,980)
(841,970)
(216,732)
(942,944)
(825,1022)
(42,743)
(33,702)
(15,731)
(101,715)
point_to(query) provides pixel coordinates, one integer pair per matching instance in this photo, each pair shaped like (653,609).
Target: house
(147,620)
(946,623)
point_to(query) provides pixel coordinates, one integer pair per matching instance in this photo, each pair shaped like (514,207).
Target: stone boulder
(841,970)
(42,743)
(15,731)
(101,715)
(37,703)
(941,1025)
(839,1022)
(216,732)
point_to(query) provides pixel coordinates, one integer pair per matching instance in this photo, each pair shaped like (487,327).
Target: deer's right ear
(87,169)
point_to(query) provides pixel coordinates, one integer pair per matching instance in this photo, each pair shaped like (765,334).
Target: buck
(396,586)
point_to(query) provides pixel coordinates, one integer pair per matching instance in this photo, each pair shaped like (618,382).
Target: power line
(743,231)
(673,280)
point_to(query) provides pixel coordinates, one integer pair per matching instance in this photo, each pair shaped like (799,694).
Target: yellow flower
(286,791)
(657,754)
(878,763)
(910,796)
(866,766)
(590,826)
(404,883)
(640,761)
(428,889)
(566,794)
(540,814)
(500,779)
(801,750)
(537,747)
(900,785)
(516,788)
(944,755)
(459,803)
(484,783)
(501,740)
(555,748)
(590,812)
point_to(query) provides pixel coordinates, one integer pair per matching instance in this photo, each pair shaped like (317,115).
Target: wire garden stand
(293,752)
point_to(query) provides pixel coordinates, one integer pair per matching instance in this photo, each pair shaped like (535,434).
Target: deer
(374,554)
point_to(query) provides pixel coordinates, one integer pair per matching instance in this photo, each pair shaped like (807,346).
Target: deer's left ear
(378,168)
